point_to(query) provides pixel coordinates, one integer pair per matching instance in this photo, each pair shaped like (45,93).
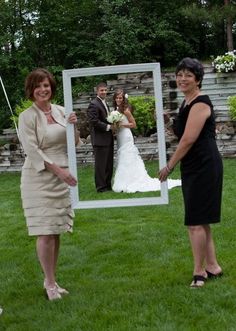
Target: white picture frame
(68,102)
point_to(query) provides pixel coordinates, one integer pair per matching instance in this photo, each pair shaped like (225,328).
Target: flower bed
(225,63)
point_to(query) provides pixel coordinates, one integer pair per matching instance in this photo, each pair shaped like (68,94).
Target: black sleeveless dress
(201,170)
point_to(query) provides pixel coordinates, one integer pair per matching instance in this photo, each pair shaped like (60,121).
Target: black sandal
(210,275)
(198,281)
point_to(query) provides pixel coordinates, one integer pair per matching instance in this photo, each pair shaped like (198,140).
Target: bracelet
(169,170)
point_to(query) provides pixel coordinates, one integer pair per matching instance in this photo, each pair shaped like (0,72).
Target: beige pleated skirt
(46,203)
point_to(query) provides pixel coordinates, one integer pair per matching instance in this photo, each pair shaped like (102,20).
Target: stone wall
(11,154)
(217,86)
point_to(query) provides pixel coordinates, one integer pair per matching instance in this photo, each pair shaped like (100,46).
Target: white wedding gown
(131,175)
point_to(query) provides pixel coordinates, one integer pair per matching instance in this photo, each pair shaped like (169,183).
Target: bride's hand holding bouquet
(114,118)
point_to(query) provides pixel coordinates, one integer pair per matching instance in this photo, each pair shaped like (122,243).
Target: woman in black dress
(201,169)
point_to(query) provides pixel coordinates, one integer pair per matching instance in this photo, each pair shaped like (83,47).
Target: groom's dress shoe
(104,189)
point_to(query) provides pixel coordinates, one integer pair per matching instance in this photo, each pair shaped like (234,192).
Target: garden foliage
(225,63)
(144,114)
(232,107)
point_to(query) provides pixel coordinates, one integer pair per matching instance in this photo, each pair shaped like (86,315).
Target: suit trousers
(103,166)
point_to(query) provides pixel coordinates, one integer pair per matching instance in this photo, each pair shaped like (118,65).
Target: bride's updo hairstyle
(192,65)
(124,105)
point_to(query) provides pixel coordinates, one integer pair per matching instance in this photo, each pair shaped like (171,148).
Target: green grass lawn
(126,269)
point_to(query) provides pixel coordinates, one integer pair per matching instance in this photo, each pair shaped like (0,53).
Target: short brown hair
(100,85)
(36,77)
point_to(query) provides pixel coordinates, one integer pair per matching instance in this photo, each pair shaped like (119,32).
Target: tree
(229,26)
(142,31)
(217,16)
(60,34)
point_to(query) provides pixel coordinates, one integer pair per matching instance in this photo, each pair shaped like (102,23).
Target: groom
(101,138)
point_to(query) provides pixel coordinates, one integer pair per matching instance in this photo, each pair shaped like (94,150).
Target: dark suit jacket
(97,116)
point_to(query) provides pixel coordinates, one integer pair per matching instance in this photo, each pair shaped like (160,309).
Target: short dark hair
(36,77)
(101,84)
(192,65)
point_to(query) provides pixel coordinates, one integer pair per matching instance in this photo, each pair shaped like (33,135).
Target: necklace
(189,100)
(47,112)
(45,108)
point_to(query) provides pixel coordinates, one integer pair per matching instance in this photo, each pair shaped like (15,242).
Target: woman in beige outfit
(45,178)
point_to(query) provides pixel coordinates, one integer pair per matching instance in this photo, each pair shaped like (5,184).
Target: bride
(131,175)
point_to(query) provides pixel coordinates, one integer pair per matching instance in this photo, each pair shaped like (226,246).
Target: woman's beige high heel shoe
(52,293)
(60,290)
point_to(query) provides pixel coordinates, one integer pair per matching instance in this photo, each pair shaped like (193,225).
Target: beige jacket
(32,129)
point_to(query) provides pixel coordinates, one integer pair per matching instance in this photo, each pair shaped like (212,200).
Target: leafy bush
(23,105)
(5,120)
(144,113)
(225,63)
(3,142)
(232,107)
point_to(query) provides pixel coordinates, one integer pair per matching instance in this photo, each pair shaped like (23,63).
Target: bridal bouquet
(114,117)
